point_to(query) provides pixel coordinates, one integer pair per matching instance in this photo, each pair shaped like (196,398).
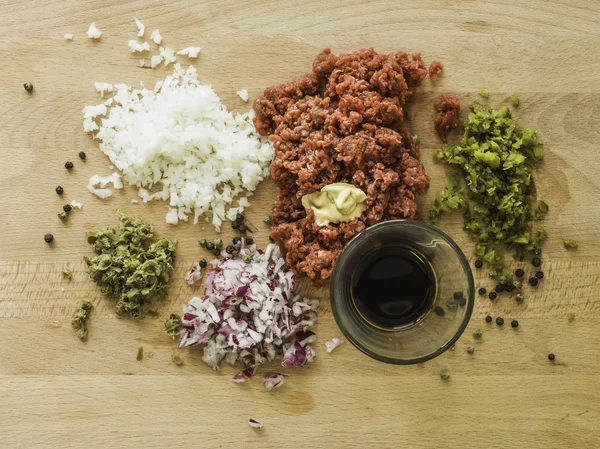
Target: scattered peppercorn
(249,240)
(470,349)
(267,219)
(236,240)
(439,311)
(509,287)
(248,258)
(177,360)
(202,263)
(499,321)
(539,275)
(537,250)
(493,274)
(499,288)
(478,263)
(68,165)
(488,319)
(536,262)
(242,228)
(462,301)
(202,242)
(229,249)
(82,155)
(533,281)
(59,190)
(48,238)
(517,284)
(218,243)
(514,323)
(519,273)
(519,297)
(493,295)
(477,333)
(28,87)
(445,374)
(482,291)
(210,246)
(67,208)
(62,215)
(551,357)
(216,252)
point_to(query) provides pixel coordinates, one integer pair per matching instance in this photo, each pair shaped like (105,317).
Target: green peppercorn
(493,295)
(537,250)
(62,215)
(514,323)
(28,87)
(445,374)
(482,291)
(59,190)
(477,333)
(48,238)
(519,273)
(202,242)
(470,349)
(202,263)
(267,219)
(499,321)
(493,274)
(68,165)
(82,155)
(218,243)
(517,284)
(247,258)
(551,357)
(488,319)
(519,297)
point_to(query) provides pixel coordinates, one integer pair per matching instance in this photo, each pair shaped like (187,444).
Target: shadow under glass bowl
(431,334)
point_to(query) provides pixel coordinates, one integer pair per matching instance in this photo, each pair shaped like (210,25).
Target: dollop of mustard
(335,203)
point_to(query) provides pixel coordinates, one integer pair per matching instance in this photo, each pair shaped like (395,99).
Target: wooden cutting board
(56,392)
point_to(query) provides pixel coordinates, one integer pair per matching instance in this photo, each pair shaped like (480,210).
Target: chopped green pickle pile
(495,158)
(127,267)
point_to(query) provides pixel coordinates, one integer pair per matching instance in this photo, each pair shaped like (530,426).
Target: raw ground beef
(435,69)
(342,123)
(446,118)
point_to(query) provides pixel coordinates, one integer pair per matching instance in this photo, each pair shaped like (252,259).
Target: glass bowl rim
(470,297)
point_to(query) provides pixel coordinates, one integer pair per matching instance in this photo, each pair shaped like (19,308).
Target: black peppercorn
(499,288)
(229,249)
(235,225)
(68,165)
(210,246)
(488,319)
(82,155)
(536,262)
(59,190)
(48,238)
(539,275)
(533,281)
(202,263)
(499,321)
(439,311)
(28,87)
(249,240)
(551,357)
(462,301)
(482,291)
(478,263)
(67,208)
(519,273)
(509,288)
(537,250)
(236,240)
(493,295)
(242,228)
(514,323)
(216,252)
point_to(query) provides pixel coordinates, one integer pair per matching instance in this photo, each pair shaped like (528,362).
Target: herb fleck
(483,93)
(67,273)
(514,100)
(140,354)
(445,374)
(177,360)
(173,326)
(79,320)
(477,333)
(570,244)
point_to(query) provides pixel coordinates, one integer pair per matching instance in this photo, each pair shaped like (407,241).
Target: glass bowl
(439,326)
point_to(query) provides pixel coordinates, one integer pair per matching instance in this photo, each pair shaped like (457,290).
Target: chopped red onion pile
(333,343)
(255,423)
(194,274)
(250,314)
(273,380)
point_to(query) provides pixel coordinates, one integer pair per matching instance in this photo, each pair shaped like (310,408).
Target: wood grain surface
(56,392)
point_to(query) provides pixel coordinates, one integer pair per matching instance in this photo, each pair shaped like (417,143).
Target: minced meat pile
(446,118)
(342,123)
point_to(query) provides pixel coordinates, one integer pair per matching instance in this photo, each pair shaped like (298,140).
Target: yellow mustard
(335,203)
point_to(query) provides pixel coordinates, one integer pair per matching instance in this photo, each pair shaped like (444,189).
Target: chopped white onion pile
(103,87)
(103,181)
(190,52)
(76,204)
(182,137)
(68,36)
(243,94)
(140,26)
(333,343)
(250,314)
(156,37)
(255,423)
(93,32)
